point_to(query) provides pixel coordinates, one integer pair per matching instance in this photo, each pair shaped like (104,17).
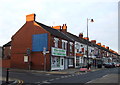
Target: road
(42,78)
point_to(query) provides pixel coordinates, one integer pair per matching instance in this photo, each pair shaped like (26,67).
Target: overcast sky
(57,12)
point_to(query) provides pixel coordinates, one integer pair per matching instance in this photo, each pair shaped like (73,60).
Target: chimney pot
(81,35)
(107,47)
(64,28)
(99,44)
(103,46)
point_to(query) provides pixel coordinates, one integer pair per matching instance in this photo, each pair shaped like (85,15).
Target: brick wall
(5,63)
(23,40)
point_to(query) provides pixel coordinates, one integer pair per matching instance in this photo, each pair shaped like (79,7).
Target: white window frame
(56,40)
(64,44)
(71,44)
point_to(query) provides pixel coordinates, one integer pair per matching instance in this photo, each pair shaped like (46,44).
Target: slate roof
(54,32)
(76,38)
(7,44)
(84,41)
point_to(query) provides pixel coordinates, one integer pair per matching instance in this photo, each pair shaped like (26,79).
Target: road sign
(44,51)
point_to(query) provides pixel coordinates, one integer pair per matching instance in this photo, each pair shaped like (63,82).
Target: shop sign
(58,52)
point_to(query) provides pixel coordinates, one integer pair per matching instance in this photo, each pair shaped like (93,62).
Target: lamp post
(91,20)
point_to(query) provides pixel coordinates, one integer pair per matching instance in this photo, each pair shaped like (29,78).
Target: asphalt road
(84,78)
(42,78)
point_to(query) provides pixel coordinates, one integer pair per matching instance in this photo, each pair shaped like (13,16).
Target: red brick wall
(23,40)
(60,45)
(5,63)
(7,52)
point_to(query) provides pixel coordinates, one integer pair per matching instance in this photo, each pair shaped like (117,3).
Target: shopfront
(79,60)
(58,60)
(70,62)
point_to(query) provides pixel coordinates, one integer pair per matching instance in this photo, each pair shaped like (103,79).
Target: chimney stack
(64,28)
(81,35)
(87,38)
(103,46)
(99,44)
(93,41)
(30,17)
(57,27)
(107,47)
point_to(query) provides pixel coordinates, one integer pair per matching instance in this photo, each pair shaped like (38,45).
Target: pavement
(66,71)
(109,78)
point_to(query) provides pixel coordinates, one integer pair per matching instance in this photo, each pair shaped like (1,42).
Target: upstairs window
(56,40)
(64,44)
(71,44)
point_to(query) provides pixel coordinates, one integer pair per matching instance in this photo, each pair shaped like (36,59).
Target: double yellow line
(20,82)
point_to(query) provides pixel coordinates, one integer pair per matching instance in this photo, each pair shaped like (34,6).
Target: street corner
(11,81)
(20,82)
(14,82)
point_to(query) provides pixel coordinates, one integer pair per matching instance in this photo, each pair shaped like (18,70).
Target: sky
(74,13)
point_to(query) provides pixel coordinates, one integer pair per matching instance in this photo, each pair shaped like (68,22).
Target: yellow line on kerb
(20,82)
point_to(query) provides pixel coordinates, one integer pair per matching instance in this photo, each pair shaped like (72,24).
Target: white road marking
(62,76)
(105,76)
(46,82)
(51,79)
(48,74)
(69,75)
(73,75)
(65,76)
(91,80)
(57,78)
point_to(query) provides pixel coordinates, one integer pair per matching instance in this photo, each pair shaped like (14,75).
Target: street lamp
(91,20)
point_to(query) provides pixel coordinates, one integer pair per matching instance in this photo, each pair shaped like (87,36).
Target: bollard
(7,76)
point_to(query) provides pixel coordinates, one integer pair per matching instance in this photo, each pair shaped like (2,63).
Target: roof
(54,32)
(7,44)
(76,38)
(84,41)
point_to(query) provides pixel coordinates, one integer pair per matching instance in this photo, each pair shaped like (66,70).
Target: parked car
(109,65)
(114,64)
(117,64)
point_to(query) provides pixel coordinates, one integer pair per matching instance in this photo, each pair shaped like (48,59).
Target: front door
(71,60)
(62,63)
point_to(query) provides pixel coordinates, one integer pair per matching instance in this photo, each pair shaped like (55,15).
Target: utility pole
(44,54)
(30,60)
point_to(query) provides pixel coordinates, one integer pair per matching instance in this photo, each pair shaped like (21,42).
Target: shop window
(55,62)
(70,62)
(77,61)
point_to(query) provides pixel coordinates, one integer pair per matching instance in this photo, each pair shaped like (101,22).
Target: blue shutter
(39,41)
